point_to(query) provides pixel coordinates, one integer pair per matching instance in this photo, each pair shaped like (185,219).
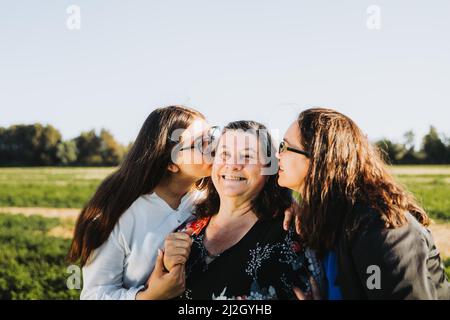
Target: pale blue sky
(260,60)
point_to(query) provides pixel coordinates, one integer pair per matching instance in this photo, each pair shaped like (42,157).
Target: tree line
(43,145)
(434,149)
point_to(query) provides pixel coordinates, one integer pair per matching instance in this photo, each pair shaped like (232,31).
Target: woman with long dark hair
(370,231)
(119,232)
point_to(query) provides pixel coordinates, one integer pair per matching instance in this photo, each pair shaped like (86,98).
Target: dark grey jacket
(380,263)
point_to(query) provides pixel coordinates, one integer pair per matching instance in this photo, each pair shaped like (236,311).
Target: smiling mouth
(233,178)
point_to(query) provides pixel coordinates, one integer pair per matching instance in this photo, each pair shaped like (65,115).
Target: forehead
(197,127)
(239,139)
(293,131)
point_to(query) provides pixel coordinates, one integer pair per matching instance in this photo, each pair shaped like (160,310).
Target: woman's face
(189,157)
(293,166)
(236,171)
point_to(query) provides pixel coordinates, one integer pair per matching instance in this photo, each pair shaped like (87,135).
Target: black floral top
(264,265)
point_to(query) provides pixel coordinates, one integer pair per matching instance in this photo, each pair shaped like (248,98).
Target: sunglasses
(284,147)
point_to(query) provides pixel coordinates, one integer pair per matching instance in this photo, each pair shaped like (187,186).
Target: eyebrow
(246,149)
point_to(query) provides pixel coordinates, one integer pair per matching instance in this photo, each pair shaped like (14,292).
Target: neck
(231,209)
(172,188)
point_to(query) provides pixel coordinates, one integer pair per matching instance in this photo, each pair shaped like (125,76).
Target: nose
(234,166)
(277,155)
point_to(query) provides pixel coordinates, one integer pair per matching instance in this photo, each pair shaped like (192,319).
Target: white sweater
(121,266)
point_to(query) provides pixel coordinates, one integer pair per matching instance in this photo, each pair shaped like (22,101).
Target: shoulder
(273,229)
(136,216)
(391,243)
(135,211)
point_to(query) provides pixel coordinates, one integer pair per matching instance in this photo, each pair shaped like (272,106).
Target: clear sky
(231,59)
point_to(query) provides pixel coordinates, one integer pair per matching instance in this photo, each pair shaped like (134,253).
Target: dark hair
(141,171)
(345,171)
(272,201)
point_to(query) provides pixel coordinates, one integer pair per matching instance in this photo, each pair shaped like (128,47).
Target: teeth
(235,178)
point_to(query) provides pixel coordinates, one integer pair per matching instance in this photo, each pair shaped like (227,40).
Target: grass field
(430,185)
(32,261)
(49,187)
(35,230)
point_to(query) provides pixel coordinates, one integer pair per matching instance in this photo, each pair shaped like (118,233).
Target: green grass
(49,187)
(433,192)
(447,267)
(32,264)
(72,187)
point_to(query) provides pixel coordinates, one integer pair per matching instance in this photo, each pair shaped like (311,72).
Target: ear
(173,168)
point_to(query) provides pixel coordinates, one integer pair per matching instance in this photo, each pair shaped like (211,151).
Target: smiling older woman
(239,248)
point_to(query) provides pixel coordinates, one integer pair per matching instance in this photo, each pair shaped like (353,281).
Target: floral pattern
(265,265)
(193,228)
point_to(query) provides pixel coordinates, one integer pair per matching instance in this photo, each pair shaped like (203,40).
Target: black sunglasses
(283,147)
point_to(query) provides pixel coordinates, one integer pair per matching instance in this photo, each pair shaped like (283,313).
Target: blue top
(330,268)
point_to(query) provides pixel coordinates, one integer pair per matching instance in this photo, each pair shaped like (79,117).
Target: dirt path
(441,236)
(66,214)
(441,232)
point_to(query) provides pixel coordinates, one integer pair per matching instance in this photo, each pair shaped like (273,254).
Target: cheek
(258,180)
(292,166)
(294,171)
(215,169)
(196,170)
(302,170)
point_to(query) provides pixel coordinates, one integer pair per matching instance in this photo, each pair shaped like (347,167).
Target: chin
(280,182)
(232,193)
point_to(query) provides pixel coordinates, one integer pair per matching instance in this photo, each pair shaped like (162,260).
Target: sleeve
(103,275)
(392,264)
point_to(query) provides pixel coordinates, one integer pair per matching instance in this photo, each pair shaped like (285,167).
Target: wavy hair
(141,171)
(346,170)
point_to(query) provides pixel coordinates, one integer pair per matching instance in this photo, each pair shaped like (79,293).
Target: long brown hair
(272,201)
(141,171)
(346,170)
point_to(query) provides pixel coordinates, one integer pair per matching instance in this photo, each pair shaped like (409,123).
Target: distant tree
(29,145)
(447,143)
(392,152)
(88,146)
(94,150)
(435,150)
(111,151)
(67,152)
(47,146)
(410,155)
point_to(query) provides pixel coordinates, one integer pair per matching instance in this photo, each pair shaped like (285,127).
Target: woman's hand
(177,248)
(163,285)
(315,292)
(289,216)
